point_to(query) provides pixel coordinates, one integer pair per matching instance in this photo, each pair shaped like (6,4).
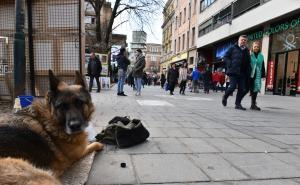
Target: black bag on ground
(123,132)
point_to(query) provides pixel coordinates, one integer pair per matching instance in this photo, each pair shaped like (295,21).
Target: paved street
(195,140)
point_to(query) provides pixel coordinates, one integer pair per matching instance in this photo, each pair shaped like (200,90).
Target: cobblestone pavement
(195,140)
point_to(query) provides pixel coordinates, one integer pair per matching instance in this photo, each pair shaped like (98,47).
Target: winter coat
(182,74)
(237,61)
(138,68)
(196,75)
(257,71)
(172,76)
(123,62)
(94,67)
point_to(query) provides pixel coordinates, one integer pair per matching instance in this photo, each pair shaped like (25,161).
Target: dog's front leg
(95,146)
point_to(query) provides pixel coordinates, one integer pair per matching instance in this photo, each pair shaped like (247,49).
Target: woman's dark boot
(253,102)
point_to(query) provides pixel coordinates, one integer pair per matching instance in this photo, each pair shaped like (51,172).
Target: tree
(139,12)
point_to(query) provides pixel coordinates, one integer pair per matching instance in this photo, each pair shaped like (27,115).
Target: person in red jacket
(215,80)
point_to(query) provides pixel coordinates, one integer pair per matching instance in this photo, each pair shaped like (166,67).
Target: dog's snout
(75,125)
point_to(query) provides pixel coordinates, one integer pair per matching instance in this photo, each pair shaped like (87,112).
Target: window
(178,44)
(175,46)
(205,3)
(176,19)
(195,6)
(193,36)
(187,39)
(183,39)
(190,11)
(191,61)
(205,27)
(180,18)
(184,15)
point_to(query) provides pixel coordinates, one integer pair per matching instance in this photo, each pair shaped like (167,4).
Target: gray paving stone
(288,158)
(215,132)
(254,145)
(262,166)
(108,165)
(146,147)
(162,124)
(192,132)
(174,132)
(198,145)
(171,145)
(288,139)
(209,124)
(234,133)
(224,145)
(156,132)
(162,168)
(188,124)
(266,182)
(217,168)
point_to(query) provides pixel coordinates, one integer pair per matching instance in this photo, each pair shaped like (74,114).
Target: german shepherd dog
(50,134)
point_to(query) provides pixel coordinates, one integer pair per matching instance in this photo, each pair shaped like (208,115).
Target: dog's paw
(98,146)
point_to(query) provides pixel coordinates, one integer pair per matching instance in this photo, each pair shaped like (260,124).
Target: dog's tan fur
(19,172)
(67,148)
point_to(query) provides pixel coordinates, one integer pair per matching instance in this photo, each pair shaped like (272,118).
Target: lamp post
(19,49)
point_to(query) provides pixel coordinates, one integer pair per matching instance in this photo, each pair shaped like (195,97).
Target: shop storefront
(283,76)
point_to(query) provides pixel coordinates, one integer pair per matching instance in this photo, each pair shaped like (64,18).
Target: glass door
(280,74)
(291,71)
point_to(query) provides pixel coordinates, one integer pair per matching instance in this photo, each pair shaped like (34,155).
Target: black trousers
(182,86)
(253,97)
(92,82)
(243,88)
(171,86)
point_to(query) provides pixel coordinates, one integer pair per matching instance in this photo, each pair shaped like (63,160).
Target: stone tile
(224,145)
(287,158)
(234,133)
(215,132)
(188,124)
(156,132)
(147,147)
(288,139)
(162,124)
(254,145)
(265,182)
(174,132)
(171,145)
(106,165)
(192,132)
(198,145)
(217,168)
(262,166)
(162,168)
(209,124)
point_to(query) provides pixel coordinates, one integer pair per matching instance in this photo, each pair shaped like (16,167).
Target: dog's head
(71,105)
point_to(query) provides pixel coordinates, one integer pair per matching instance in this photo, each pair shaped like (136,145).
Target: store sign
(276,29)
(3,69)
(270,76)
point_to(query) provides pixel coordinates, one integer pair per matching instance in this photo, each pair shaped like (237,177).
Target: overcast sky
(153,36)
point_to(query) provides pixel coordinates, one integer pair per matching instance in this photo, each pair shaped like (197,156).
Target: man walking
(94,71)
(137,71)
(237,60)
(123,63)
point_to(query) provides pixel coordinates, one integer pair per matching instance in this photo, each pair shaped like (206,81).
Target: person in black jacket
(123,63)
(162,80)
(237,61)
(172,78)
(94,71)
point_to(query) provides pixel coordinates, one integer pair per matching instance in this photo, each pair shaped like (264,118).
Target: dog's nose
(74,125)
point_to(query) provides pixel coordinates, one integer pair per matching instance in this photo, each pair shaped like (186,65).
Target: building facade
(168,29)
(275,23)
(153,58)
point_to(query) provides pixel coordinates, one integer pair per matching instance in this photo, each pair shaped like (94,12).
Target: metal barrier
(53,40)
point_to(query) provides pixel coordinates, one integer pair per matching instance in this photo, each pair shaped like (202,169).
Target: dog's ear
(54,81)
(79,80)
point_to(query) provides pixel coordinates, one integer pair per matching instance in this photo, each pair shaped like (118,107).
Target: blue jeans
(121,80)
(138,84)
(243,88)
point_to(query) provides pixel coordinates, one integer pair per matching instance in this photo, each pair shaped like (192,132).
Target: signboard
(105,82)
(270,75)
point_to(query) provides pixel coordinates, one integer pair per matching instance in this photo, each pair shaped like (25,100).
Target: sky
(154,35)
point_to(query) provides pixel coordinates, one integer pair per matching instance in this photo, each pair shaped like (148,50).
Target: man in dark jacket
(94,71)
(237,60)
(123,63)
(172,78)
(138,71)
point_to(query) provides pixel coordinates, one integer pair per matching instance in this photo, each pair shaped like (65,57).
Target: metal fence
(53,40)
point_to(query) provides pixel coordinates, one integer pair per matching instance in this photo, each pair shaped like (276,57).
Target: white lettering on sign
(3,69)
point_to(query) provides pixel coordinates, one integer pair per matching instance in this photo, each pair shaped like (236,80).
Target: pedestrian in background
(257,73)
(207,79)
(123,62)
(183,73)
(162,79)
(237,60)
(94,71)
(138,71)
(172,78)
(195,80)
